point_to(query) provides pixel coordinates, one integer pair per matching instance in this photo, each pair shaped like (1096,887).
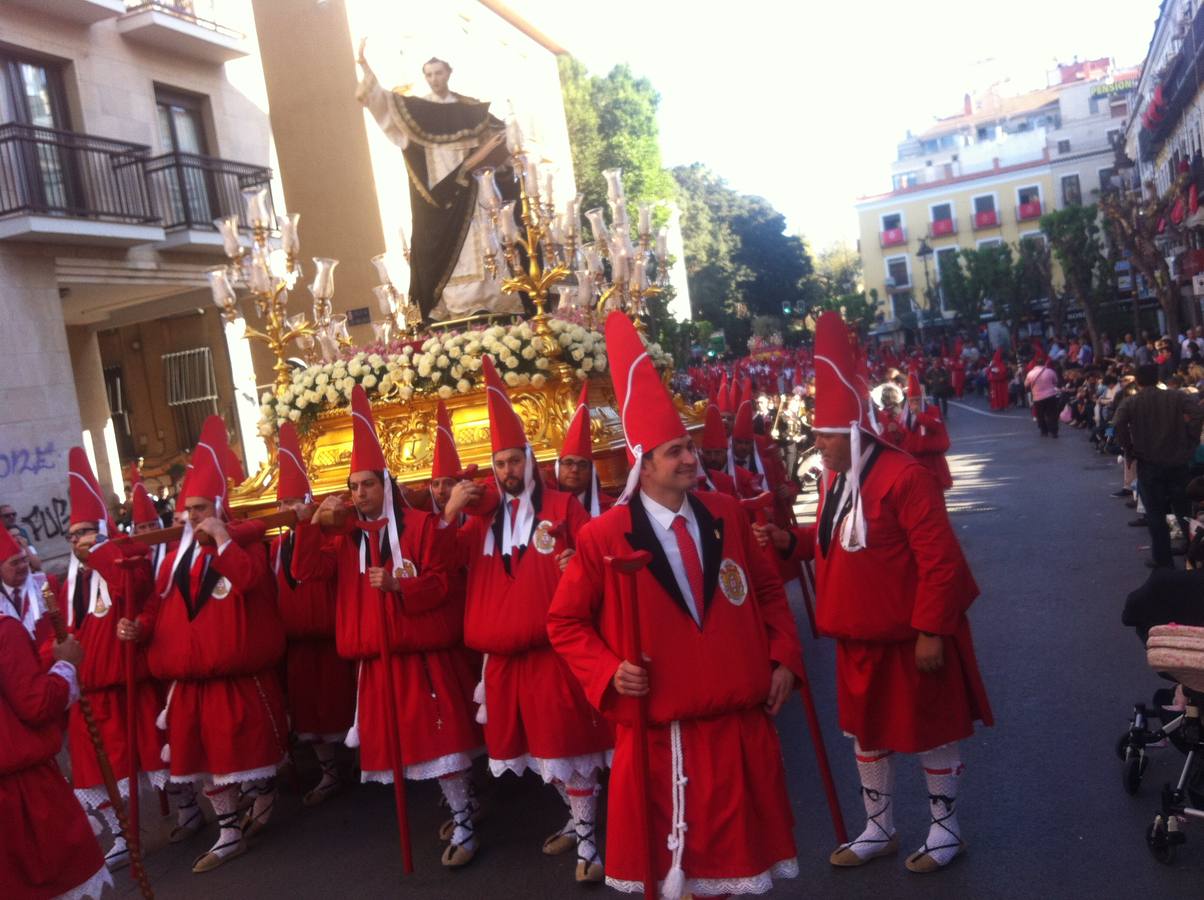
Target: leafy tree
(970,279)
(838,270)
(1074,235)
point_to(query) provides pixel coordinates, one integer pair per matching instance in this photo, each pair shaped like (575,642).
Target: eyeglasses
(8,515)
(575,463)
(74,536)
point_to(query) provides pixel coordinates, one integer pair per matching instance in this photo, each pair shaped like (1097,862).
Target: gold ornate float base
(407,430)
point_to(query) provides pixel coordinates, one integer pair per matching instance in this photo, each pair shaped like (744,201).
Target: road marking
(979,412)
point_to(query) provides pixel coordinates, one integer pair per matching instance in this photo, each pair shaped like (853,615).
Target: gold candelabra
(268,269)
(402,315)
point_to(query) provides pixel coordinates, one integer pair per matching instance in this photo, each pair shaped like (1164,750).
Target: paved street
(1043,809)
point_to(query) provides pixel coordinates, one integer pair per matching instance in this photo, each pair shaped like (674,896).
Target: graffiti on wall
(26,460)
(50,521)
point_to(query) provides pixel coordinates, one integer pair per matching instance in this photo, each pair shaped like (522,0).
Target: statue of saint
(443,137)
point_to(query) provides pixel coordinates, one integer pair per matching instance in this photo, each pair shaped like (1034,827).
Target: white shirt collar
(663,516)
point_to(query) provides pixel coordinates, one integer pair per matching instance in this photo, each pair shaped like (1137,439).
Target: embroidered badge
(406,570)
(545,543)
(221,590)
(733,582)
(102,607)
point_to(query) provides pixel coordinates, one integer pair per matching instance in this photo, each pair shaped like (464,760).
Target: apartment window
(942,212)
(1034,237)
(929,146)
(1106,178)
(892,220)
(1031,194)
(896,270)
(989,242)
(115,391)
(906,180)
(1093,105)
(1063,146)
(191,391)
(1119,108)
(191,190)
(32,94)
(984,204)
(900,304)
(1072,191)
(986,132)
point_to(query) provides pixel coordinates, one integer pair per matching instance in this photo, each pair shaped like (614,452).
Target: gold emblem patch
(102,607)
(406,570)
(544,542)
(221,590)
(733,582)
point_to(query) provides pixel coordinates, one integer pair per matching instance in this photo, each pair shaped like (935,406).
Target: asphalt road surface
(1041,805)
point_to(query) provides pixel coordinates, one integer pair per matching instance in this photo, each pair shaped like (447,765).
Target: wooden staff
(371,530)
(106,768)
(131,706)
(758,505)
(625,568)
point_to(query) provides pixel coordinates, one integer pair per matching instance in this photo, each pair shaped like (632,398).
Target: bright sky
(804,101)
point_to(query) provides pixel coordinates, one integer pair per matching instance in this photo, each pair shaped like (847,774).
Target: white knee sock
(225,804)
(877,771)
(570,825)
(457,791)
(942,768)
(184,795)
(582,795)
(264,792)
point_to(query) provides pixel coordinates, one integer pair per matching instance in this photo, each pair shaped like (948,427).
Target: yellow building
(985,176)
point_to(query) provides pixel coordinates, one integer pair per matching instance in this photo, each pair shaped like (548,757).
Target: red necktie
(689,560)
(513,512)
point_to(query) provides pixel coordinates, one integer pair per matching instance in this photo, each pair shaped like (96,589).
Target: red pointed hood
(723,396)
(83,492)
(144,509)
(366,452)
(8,546)
(645,408)
(742,428)
(997,359)
(505,427)
(446,463)
(840,403)
(210,461)
(292,480)
(577,441)
(914,389)
(714,435)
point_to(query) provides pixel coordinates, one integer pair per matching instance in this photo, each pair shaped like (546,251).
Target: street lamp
(924,252)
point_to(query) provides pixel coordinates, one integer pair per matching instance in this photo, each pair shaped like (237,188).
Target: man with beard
(575,470)
(536,715)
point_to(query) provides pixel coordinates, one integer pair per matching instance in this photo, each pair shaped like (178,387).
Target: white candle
(290,238)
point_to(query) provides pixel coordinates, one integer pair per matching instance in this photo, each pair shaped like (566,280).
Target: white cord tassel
(633,476)
(852,529)
(478,694)
(675,881)
(161,724)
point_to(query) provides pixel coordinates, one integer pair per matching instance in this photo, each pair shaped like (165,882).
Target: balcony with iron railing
(892,237)
(61,186)
(183,27)
(939,228)
(189,191)
(1026,212)
(987,218)
(82,12)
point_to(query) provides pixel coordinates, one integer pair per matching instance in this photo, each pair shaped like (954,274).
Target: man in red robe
(893,589)
(916,429)
(319,684)
(997,381)
(116,578)
(48,848)
(396,598)
(21,591)
(713,456)
(957,369)
(724,652)
(756,453)
(216,636)
(575,470)
(144,517)
(535,713)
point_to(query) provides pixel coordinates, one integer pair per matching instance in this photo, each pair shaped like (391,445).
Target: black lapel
(498,526)
(710,530)
(642,537)
(848,504)
(79,599)
(184,578)
(286,558)
(205,590)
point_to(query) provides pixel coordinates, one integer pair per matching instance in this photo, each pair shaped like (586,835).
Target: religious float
(533,251)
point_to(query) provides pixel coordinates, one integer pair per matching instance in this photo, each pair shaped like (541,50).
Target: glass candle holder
(323,284)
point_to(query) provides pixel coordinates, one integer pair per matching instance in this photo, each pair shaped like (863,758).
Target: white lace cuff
(66,671)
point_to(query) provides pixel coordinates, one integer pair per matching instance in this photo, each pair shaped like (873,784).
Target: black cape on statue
(442,213)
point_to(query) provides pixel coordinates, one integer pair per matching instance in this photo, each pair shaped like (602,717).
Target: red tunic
(319,684)
(927,439)
(718,480)
(710,681)
(997,382)
(774,476)
(958,370)
(536,713)
(911,578)
(48,847)
(220,646)
(102,676)
(433,676)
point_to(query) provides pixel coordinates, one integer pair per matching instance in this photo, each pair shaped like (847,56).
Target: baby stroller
(1176,652)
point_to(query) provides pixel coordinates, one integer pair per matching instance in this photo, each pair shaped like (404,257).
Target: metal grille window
(115,390)
(191,391)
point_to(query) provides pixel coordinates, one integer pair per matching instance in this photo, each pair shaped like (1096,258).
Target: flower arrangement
(443,366)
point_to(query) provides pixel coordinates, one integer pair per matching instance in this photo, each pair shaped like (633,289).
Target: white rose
(473,348)
(445,392)
(599,363)
(539,380)
(265,429)
(407,376)
(354,369)
(322,379)
(577,353)
(542,363)
(376,360)
(511,379)
(463,386)
(511,362)
(332,395)
(267,397)
(295,415)
(443,362)
(424,369)
(302,403)
(524,332)
(369,381)
(407,350)
(578,333)
(528,352)
(453,352)
(565,340)
(524,378)
(456,371)
(512,342)
(405,393)
(581,373)
(587,364)
(474,364)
